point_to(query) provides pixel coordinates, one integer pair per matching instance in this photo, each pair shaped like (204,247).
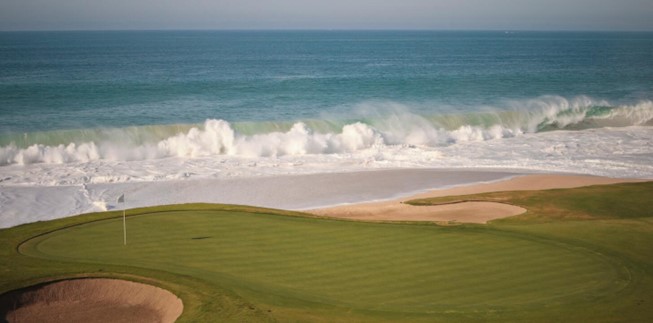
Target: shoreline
(25,204)
(301,192)
(465,212)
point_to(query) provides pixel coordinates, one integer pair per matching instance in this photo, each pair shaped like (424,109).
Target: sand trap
(469,212)
(90,300)
(31,203)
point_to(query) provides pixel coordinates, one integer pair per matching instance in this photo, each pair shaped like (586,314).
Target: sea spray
(395,126)
(178,111)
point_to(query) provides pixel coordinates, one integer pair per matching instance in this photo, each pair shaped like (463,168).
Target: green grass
(631,200)
(567,259)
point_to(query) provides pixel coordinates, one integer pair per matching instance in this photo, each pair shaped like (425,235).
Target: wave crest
(397,127)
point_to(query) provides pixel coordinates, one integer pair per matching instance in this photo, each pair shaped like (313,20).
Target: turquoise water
(88,116)
(75,96)
(70,80)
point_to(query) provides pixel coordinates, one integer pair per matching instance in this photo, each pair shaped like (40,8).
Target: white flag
(121,199)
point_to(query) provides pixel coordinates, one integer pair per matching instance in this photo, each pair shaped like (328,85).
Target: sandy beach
(258,162)
(24,204)
(466,212)
(363,195)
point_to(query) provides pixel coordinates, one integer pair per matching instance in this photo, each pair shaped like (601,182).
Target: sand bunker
(90,300)
(468,212)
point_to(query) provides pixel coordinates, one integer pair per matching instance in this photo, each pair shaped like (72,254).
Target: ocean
(132,106)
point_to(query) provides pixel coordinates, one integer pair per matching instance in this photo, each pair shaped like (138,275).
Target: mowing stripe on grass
(410,268)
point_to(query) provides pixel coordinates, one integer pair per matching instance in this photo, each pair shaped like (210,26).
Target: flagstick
(121,199)
(124,225)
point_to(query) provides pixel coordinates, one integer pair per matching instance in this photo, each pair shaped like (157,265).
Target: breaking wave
(371,125)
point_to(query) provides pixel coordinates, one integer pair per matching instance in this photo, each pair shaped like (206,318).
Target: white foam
(218,137)
(623,152)
(37,192)
(37,203)
(44,182)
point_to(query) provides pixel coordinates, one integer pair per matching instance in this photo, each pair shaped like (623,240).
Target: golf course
(577,255)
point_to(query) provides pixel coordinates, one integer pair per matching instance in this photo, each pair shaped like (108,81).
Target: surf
(372,124)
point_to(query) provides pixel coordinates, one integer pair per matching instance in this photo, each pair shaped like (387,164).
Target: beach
(363,195)
(332,161)
(310,119)
(466,211)
(23,204)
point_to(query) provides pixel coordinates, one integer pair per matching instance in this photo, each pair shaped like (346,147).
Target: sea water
(123,106)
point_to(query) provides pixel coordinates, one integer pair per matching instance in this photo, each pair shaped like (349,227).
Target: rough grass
(247,264)
(630,200)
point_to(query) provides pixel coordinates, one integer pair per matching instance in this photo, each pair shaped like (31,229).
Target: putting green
(297,262)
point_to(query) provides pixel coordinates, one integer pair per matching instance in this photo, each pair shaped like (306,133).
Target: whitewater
(549,134)
(213,162)
(303,119)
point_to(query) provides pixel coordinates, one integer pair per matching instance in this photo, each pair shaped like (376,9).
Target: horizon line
(330,29)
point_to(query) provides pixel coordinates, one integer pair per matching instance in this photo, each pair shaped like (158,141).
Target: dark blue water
(82,80)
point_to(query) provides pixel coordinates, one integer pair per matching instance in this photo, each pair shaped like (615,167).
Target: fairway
(281,261)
